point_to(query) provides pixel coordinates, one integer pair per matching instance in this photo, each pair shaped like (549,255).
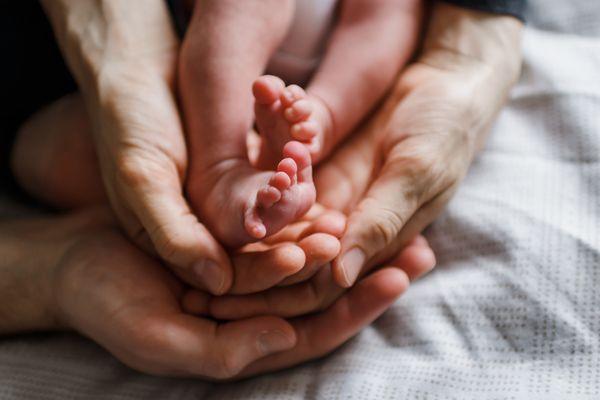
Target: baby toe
(254,225)
(268,196)
(280,180)
(267,89)
(289,167)
(292,94)
(298,153)
(305,130)
(299,111)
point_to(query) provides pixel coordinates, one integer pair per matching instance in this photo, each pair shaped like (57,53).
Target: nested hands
(377,192)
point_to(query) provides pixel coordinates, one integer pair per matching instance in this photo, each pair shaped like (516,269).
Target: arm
(78,272)
(371,42)
(123,54)
(25,294)
(103,39)
(33,250)
(428,132)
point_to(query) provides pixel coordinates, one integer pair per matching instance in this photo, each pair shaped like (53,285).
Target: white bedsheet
(511,312)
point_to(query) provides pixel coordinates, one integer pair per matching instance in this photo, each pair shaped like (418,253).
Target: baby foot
(240,204)
(289,113)
(288,195)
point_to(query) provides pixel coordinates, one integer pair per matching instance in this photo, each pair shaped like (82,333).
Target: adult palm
(108,289)
(395,175)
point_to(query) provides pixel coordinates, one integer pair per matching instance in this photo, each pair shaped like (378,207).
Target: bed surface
(511,312)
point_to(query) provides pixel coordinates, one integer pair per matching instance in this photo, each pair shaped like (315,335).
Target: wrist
(458,36)
(475,59)
(108,42)
(34,263)
(26,279)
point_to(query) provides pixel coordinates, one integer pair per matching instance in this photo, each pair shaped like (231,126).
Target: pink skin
(289,194)
(239,203)
(246,205)
(226,49)
(368,46)
(288,113)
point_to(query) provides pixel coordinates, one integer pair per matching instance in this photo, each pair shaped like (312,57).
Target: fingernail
(272,341)
(210,274)
(352,263)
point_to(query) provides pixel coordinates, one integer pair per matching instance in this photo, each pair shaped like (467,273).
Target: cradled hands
(390,180)
(109,290)
(394,176)
(405,165)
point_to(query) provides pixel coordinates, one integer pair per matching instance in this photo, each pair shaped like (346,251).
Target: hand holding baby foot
(368,45)
(292,256)
(241,204)
(289,194)
(424,138)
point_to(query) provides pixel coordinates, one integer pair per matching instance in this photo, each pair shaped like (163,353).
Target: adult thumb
(182,241)
(375,228)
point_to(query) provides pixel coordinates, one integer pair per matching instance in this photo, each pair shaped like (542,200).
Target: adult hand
(78,272)
(310,290)
(109,290)
(123,55)
(421,143)
(395,175)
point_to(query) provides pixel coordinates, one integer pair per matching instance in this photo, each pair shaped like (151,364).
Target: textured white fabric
(511,312)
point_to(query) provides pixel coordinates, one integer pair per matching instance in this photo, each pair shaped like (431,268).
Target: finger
(317,220)
(331,222)
(318,239)
(379,229)
(179,238)
(254,271)
(290,233)
(372,228)
(184,345)
(320,249)
(258,271)
(319,334)
(375,223)
(416,259)
(290,301)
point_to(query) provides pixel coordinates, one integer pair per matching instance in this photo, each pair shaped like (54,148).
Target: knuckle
(417,165)
(131,171)
(141,165)
(166,247)
(384,224)
(169,245)
(440,175)
(314,299)
(214,361)
(227,366)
